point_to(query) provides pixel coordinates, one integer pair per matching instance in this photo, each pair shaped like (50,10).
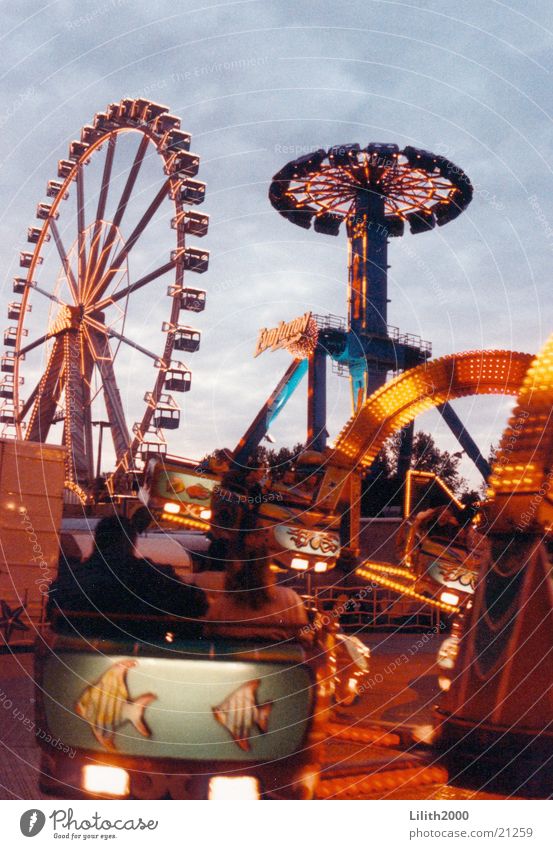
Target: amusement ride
(70,370)
(70,374)
(77,272)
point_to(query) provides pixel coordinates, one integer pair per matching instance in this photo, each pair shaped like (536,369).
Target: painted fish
(106,705)
(240,714)
(196,490)
(176,483)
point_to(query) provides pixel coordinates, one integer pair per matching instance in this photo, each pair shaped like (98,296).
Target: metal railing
(370,608)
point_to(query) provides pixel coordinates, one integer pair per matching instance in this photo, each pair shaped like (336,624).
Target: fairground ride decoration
(496,717)
(396,404)
(375,192)
(79,266)
(300,334)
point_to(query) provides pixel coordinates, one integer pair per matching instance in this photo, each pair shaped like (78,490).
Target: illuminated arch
(413,392)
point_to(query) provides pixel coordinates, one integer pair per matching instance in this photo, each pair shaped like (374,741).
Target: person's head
(220,461)
(69,548)
(115,538)
(249,579)
(447,516)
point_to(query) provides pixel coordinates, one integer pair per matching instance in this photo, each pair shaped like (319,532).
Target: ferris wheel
(107,259)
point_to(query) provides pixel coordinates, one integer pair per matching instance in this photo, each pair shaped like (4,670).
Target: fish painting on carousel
(106,705)
(240,714)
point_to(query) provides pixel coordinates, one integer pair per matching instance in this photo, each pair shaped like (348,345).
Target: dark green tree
(381,487)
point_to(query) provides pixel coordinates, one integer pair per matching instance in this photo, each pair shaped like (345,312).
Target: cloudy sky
(257,82)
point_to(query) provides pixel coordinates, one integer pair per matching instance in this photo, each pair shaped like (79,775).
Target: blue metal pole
(368,287)
(316,400)
(269,411)
(464,438)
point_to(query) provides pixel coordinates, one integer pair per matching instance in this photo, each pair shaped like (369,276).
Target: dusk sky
(258,83)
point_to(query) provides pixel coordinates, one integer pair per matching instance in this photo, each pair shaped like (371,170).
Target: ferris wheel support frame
(79,337)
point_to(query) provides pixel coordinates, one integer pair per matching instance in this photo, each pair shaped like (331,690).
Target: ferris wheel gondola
(80,266)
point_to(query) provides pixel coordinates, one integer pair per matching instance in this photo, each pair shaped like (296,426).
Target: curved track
(394,405)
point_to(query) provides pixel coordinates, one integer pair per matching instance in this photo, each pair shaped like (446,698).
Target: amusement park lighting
(449,598)
(320,566)
(185,521)
(171,508)
(205,514)
(402,589)
(299,563)
(110,780)
(406,396)
(238,788)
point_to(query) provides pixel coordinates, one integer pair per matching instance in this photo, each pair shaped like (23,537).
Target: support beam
(75,412)
(368,266)
(114,407)
(405,451)
(46,396)
(48,295)
(316,401)
(269,411)
(464,438)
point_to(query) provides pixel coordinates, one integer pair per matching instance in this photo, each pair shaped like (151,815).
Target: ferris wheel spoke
(81,229)
(49,295)
(101,208)
(45,396)
(32,345)
(103,358)
(138,284)
(131,241)
(95,325)
(120,211)
(65,262)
